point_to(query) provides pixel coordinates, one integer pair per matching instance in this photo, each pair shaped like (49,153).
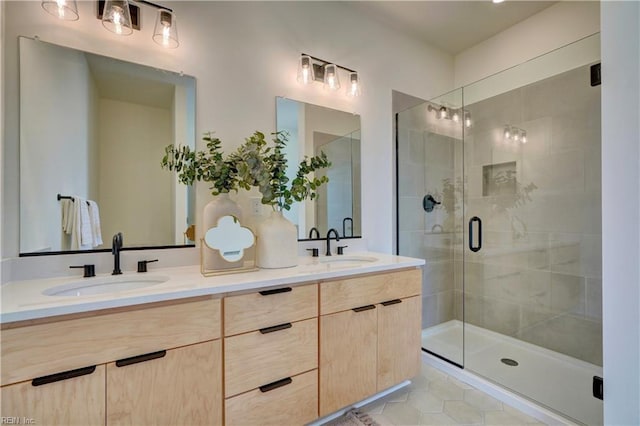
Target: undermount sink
(340,259)
(101,285)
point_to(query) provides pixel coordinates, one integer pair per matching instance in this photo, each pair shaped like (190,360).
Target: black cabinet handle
(276,385)
(598,387)
(471,246)
(39,381)
(364,308)
(275,291)
(279,327)
(140,358)
(391,302)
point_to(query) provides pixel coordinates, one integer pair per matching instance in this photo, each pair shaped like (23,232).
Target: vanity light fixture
(448,113)
(312,69)
(67,10)
(515,134)
(122,17)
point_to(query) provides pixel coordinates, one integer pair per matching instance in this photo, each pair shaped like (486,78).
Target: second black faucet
(115,250)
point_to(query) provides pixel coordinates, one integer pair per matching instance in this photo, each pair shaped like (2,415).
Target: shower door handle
(471,246)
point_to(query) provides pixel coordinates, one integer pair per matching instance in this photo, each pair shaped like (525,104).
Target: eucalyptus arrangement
(265,167)
(254,163)
(207,166)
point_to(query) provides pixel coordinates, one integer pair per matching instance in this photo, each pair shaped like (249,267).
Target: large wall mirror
(312,129)
(95,127)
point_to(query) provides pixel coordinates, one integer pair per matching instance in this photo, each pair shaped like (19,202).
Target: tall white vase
(277,244)
(221,205)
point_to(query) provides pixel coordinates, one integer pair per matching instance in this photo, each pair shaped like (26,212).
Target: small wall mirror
(312,129)
(96,128)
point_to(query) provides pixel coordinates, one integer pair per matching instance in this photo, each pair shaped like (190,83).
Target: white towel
(94,218)
(67,215)
(81,235)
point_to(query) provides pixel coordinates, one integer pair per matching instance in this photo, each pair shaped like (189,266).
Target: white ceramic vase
(277,243)
(221,205)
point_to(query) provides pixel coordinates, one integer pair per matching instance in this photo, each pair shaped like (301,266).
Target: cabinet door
(398,341)
(347,357)
(70,398)
(179,386)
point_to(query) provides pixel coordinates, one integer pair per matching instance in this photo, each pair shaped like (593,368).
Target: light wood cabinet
(64,399)
(399,345)
(184,386)
(369,336)
(348,347)
(178,386)
(271,356)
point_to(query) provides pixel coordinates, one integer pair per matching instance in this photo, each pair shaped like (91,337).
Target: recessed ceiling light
(497,1)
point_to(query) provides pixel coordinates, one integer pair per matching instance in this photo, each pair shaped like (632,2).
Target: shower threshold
(552,379)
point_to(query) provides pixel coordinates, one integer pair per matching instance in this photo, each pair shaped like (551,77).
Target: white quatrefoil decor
(229,238)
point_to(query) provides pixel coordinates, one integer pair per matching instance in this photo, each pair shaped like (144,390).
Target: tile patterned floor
(435,398)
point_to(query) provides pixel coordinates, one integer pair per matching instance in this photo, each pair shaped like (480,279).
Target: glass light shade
(66,10)
(166,31)
(331,79)
(355,86)
(305,70)
(523,137)
(443,112)
(455,116)
(116,17)
(507,132)
(467,119)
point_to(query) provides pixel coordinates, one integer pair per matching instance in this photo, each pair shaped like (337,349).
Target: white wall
(243,55)
(556,26)
(620,210)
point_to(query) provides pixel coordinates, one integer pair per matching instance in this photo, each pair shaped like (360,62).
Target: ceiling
(452,26)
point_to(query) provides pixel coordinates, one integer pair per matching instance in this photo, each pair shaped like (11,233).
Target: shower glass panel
(512,285)
(430,213)
(532,293)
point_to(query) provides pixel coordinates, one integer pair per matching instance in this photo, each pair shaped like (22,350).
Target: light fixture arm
(325,62)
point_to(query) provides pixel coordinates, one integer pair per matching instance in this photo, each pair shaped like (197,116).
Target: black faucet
(115,250)
(328,253)
(312,230)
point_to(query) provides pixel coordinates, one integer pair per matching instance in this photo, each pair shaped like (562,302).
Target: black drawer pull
(275,291)
(391,302)
(275,328)
(276,385)
(364,308)
(39,381)
(140,358)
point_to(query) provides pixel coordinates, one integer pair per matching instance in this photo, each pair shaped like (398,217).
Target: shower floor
(557,381)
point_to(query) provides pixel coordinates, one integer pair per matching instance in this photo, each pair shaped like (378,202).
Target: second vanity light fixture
(514,134)
(312,69)
(448,113)
(121,17)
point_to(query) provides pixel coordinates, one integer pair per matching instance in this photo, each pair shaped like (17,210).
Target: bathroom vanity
(277,347)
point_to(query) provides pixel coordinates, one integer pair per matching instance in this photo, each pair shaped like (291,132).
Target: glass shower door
(532,267)
(430,214)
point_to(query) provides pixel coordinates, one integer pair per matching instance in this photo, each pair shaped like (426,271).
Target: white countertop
(24,300)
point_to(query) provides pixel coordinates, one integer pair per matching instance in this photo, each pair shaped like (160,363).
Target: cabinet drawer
(342,295)
(295,403)
(253,359)
(250,312)
(41,349)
